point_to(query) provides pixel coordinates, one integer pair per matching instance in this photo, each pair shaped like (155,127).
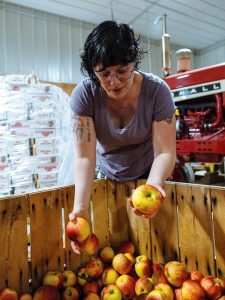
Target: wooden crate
(189,228)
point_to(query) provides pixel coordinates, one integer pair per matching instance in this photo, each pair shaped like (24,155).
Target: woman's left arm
(164,144)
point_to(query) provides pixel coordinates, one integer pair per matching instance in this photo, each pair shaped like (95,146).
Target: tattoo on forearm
(88,131)
(78,127)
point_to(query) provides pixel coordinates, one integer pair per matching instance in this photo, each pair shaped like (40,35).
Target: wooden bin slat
(46,233)
(14,270)
(164,231)
(99,210)
(218,200)
(118,220)
(195,228)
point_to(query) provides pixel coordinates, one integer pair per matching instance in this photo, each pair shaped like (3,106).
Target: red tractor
(199,96)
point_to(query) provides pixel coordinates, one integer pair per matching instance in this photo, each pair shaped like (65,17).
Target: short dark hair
(110,43)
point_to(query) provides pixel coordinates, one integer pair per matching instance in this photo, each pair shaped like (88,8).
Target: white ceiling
(196,24)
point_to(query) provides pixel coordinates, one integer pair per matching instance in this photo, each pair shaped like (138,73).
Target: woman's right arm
(85,162)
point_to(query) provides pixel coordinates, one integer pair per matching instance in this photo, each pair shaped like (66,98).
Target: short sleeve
(82,100)
(164,106)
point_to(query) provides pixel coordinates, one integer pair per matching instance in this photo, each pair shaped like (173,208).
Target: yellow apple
(111,292)
(143,266)
(69,278)
(167,290)
(82,276)
(109,276)
(147,199)
(54,278)
(70,293)
(176,273)
(156,295)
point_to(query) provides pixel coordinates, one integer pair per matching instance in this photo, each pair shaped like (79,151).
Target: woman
(121,115)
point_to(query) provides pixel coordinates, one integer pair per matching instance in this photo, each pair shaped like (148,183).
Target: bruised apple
(143,285)
(89,245)
(212,287)
(147,199)
(121,263)
(69,278)
(78,229)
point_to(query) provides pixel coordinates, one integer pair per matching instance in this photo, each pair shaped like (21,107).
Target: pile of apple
(119,274)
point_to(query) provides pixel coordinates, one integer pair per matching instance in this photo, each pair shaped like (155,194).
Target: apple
(147,199)
(54,278)
(156,295)
(69,278)
(130,257)
(126,284)
(25,296)
(91,296)
(121,263)
(70,293)
(195,275)
(45,292)
(158,266)
(126,246)
(90,287)
(143,266)
(109,276)
(89,245)
(8,294)
(143,286)
(94,267)
(192,290)
(212,287)
(107,253)
(176,273)
(111,292)
(167,290)
(158,276)
(82,276)
(78,229)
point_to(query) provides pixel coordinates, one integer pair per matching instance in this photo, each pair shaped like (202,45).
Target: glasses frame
(110,76)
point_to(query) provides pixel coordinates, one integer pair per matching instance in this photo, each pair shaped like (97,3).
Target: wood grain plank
(164,231)
(46,233)
(14,270)
(195,228)
(218,200)
(99,209)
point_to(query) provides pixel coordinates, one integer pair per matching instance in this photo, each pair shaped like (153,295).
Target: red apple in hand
(147,199)
(78,229)
(90,245)
(8,294)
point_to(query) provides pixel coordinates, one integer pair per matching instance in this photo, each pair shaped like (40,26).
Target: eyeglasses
(121,75)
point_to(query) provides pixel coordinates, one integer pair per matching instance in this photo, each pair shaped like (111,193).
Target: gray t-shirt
(127,153)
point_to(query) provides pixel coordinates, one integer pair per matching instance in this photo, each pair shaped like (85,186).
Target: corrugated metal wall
(50,45)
